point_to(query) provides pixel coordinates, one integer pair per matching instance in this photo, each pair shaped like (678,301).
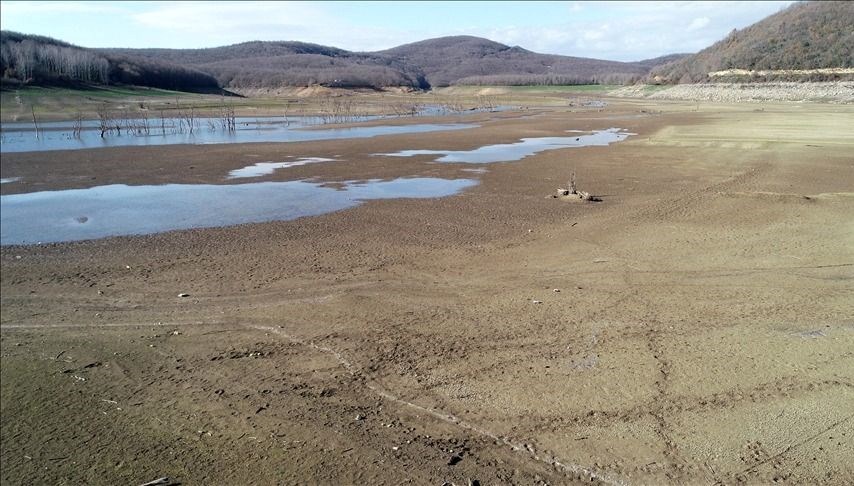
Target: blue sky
(624,31)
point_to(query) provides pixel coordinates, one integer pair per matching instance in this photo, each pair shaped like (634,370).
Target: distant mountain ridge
(806,36)
(474,60)
(444,61)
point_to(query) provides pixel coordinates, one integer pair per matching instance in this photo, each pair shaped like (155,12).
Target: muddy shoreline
(692,327)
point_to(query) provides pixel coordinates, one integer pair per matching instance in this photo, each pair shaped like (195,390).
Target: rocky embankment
(834,92)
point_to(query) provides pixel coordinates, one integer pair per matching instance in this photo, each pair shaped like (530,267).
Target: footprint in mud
(754,452)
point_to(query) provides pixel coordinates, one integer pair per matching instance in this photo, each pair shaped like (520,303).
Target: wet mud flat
(693,327)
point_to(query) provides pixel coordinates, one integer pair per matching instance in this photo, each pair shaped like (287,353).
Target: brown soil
(695,326)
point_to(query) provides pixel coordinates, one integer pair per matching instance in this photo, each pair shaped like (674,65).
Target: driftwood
(571,184)
(571,189)
(583,195)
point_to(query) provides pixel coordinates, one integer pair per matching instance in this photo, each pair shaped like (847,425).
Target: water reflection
(97,212)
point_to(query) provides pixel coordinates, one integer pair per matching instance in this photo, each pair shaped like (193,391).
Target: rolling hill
(473,60)
(445,61)
(435,62)
(806,36)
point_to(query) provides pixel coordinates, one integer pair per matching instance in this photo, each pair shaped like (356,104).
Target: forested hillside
(804,36)
(29,59)
(273,64)
(473,60)
(435,62)
(460,60)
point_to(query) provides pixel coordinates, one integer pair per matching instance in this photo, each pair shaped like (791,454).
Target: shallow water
(97,212)
(266,168)
(507,152)
(19,137)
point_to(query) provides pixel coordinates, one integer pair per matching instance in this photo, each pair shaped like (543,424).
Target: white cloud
(698,23)
(640,30)
(233,19)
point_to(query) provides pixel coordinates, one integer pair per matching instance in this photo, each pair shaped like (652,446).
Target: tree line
(29,59)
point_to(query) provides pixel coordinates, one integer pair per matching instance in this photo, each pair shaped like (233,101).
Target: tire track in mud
(515,445)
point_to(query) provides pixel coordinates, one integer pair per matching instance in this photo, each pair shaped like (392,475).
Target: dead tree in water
(77,125)
(35,122)
(104,121)
(229,120)
(186,117)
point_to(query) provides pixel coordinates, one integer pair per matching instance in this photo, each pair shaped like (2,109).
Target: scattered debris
(157,482)
(360,417)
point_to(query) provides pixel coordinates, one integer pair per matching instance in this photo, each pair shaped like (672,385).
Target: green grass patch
(580,88)
(96,92)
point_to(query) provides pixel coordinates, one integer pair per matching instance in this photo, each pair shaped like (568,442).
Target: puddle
(7,180)
(516,151)
(19,137)
(266,168)
(97,212)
